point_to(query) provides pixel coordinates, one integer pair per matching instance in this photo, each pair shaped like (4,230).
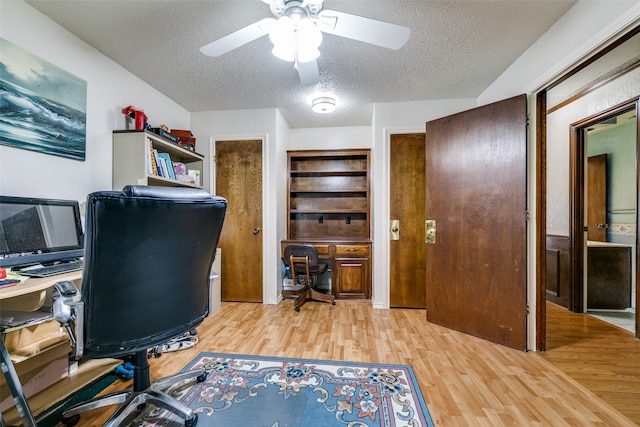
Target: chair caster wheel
(333,303)
(202,378)
(71,421)
(297,308)
(192,422)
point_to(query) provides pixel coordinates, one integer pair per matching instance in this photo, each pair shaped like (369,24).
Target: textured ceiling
(456,49)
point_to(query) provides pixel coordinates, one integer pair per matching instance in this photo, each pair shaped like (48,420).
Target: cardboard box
(37,371)
(28,335)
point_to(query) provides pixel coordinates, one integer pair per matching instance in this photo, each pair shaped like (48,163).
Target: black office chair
(148,257)
(303,258)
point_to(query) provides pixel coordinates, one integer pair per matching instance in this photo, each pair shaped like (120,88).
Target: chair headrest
(185,193)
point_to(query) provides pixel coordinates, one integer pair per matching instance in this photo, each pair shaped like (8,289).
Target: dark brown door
(597,198)
(407,207)
(239,180)
(476,194)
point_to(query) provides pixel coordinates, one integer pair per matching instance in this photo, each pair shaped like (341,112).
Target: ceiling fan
(296,32)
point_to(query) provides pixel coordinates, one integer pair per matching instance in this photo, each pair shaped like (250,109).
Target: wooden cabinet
(328,206)
(352,271)
(608,276)
(328,194)
(132,154)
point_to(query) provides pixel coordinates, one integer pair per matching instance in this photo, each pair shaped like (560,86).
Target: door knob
(601,225)
(256,230)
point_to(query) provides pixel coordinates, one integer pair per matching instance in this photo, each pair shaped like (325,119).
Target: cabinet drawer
(352,250)
(323,250)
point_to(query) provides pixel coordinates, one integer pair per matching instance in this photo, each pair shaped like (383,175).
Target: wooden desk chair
(304,259)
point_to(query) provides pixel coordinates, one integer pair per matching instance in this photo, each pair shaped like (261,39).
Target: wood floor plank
(466,381)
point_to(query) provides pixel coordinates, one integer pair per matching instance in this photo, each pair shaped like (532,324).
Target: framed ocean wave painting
(44,108)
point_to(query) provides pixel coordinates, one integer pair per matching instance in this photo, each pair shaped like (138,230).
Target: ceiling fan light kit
(295,39)
(323,105)
(296,32)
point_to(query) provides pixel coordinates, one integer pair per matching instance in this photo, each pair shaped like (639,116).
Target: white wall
(109,89)
(575,36)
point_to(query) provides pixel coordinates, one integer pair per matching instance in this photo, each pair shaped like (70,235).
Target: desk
(350,264)
(23,295)
(29,296)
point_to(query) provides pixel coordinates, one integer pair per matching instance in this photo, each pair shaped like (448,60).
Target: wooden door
(407,206)
(239,180)
(476,194)
(597,198)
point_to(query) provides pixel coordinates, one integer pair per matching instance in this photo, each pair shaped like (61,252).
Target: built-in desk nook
(328,206)
(349,261)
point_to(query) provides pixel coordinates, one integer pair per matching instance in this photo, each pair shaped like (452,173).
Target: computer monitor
(34,231)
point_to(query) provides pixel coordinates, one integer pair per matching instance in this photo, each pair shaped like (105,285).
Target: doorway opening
(610,205)
(594,92)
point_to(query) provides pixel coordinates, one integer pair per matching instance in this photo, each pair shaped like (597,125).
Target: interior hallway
(466,381)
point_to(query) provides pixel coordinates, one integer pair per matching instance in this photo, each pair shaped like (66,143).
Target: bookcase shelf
(132,155)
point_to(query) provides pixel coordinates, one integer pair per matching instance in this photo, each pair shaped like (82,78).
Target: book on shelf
(168,164)
(161,172)
(151,161)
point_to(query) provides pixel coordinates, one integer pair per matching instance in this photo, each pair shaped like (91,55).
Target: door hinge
(528,215)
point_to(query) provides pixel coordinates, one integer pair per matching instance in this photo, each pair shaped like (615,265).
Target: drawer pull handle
(351,250)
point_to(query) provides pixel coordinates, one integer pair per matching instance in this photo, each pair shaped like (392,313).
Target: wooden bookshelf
(132,157)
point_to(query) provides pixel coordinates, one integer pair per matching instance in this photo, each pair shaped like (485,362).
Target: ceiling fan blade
(363,29)
(308,72)
(238,38)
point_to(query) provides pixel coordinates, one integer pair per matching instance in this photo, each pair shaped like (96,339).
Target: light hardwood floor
(466,381)
(603,358)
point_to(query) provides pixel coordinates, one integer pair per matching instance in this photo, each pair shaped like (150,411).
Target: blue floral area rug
(256,391)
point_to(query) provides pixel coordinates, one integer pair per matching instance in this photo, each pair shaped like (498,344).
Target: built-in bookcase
(328,194)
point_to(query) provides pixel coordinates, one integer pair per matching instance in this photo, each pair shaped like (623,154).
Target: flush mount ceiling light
(323,105)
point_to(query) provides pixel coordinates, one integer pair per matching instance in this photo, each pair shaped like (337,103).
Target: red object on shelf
(139,116)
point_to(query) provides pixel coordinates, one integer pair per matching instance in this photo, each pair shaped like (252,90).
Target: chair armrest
(68,310)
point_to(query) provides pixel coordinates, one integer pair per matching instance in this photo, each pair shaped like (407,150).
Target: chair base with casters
(307,293)
(144,392)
